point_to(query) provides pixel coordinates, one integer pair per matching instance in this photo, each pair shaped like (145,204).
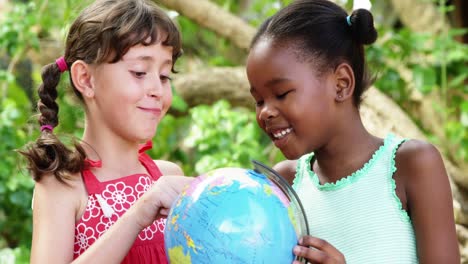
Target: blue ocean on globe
(231,215)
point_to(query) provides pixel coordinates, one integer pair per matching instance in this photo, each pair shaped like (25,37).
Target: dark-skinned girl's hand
(317,250)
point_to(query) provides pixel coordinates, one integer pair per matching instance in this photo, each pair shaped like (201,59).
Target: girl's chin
(287,146)
(289,153)
(144,137)
(291,156)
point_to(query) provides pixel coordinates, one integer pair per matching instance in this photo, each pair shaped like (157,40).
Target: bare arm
(114,245)
(429,202)
(168,168)
(55,206)
(287,169)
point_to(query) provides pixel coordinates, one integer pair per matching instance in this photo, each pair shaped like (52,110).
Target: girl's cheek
(260,123)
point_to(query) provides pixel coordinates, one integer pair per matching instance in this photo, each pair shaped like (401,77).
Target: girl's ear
(81,76)
(344,82)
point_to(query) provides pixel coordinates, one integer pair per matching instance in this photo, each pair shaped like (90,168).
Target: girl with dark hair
(105,201)
(367,199)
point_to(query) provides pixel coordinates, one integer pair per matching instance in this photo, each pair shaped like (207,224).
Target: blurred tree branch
(420,15)
(213,17)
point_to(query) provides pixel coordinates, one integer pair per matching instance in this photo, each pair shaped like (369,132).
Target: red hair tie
(62,64)
(47,127)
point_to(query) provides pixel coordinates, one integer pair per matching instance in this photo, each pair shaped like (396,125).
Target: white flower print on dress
(161,223)
(148,232)
(84,238)
(92,210)
(143,185)
(119,196)
(115,197)
(105,223)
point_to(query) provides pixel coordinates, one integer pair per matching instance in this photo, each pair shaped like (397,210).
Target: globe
(235,215)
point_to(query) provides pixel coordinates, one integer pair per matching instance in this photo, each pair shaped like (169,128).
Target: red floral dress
(108,201)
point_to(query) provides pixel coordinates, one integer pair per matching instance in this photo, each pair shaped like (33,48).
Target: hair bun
(362,25)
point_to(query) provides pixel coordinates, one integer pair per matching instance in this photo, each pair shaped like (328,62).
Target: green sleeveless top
(360,215)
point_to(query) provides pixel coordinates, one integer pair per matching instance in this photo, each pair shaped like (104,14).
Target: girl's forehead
(268,55)
(155,51)
(264,48)
(268,49)
(270,65)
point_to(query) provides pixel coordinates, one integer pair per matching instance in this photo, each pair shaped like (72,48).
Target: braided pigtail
(48,155)
(102,33)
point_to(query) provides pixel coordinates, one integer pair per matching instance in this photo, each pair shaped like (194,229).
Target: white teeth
(282,133)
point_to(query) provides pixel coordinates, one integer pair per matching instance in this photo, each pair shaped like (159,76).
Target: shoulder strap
(150,166)
(146,146)
(301,167)
(91,183)
(393,145)
(147,161)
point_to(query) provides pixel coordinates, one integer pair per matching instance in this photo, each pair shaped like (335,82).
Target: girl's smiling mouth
(281,133)
(152,110)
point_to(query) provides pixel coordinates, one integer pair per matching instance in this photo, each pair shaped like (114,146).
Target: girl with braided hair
(105,201)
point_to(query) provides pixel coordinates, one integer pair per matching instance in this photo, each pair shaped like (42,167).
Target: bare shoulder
(420,168)
(416,159)
(56,206)
(287,169)
(50,188)
(427,188)
(69,196)
(169,168)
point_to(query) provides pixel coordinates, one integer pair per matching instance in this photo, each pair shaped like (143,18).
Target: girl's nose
(155,87)
(268,111)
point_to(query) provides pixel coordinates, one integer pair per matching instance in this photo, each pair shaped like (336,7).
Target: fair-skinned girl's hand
(157,201)
(322,251)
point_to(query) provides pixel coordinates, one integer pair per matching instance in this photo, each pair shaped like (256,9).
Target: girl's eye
(165,78)
(258,103)
(138,74)
(283,95)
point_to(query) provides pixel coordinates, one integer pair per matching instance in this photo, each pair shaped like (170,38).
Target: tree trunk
(460,17)
(420,15)
(213,17)
(4,7)
(244,6)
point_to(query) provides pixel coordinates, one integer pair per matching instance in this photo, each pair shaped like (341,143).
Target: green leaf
(424,79)
(458,80)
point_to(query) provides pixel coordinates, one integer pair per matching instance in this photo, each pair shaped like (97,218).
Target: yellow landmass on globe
(267,189)
(177,256)
(174,222)
(213,193)
(174,219)
(190,242)
(180,200)
(291,217)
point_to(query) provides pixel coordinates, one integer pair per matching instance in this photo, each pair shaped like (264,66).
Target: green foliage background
(205,137)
